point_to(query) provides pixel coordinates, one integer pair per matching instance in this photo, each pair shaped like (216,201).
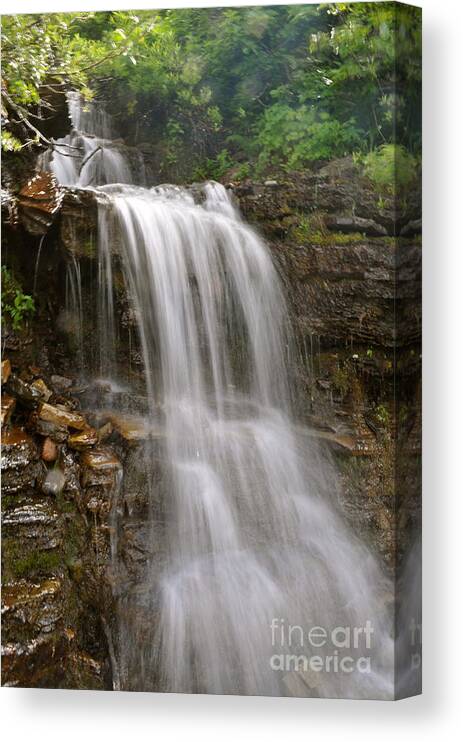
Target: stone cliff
(350,267)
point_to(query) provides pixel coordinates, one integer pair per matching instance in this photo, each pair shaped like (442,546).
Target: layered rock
(353,292)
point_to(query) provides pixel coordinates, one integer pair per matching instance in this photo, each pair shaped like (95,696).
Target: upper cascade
(91,155)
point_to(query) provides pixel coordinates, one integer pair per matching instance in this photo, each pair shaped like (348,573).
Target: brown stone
(8,404)
(131,428)
(40,385)
(6,370)
(26,394)
(18,461)
(100,466)
(49,450)
(58,433)
(61,416)
(86,439)
(39,202)
(101,459)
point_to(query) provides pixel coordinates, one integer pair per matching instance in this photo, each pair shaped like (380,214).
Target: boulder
(355,224)
(8,405)
(40,385)
(83,440)
(57,433)
(39,202)
(26,394)
(49,450)
(19,461)
(6,370)
(34,524)
(99,465)
(61,416)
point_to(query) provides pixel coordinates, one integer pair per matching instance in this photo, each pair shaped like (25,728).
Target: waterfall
(89,155)
(252,562)
(254,539)
(74,318)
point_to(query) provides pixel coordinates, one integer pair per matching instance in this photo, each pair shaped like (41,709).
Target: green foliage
(214,168)
(277,86)
(382,415)
(311,230)
(297,136)
(390,168)
(43,55)
(16,306)
(9,142)
(37,563)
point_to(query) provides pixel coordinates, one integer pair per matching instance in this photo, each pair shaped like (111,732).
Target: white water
(88,156)
(251,526)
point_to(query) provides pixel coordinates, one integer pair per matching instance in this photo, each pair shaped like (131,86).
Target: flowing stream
(254,540)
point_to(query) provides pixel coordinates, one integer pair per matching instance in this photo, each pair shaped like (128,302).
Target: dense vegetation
(255,88)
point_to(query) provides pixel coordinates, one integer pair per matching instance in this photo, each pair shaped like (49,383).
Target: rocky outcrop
(73,496)
(52,579)
(39,201)
(353,289)
(74,481)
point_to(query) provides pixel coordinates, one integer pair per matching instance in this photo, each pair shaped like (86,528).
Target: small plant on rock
(16,305)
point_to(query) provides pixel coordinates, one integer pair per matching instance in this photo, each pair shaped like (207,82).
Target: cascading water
(253,536)
(88,156)
(74,318)
(252,541)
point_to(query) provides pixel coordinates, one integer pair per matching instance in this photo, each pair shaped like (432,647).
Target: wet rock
(101,477)
(338,442)
(6,370)
(19,461)
(131,428)
(61,383)
(342,293)
(104,432)
(87,671)
(78,223)
(34,645)
(26,394)
(33,524)
(62,417)
(34,604)
(99,466)
(70,466)
(39,201)
(355,224)
(49,450)
(8,405)
(45,392)
(57,433)
(83,440)
(54,482)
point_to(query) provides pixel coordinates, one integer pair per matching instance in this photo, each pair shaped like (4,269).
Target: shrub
(390,168)
(298,136)
(16,305)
